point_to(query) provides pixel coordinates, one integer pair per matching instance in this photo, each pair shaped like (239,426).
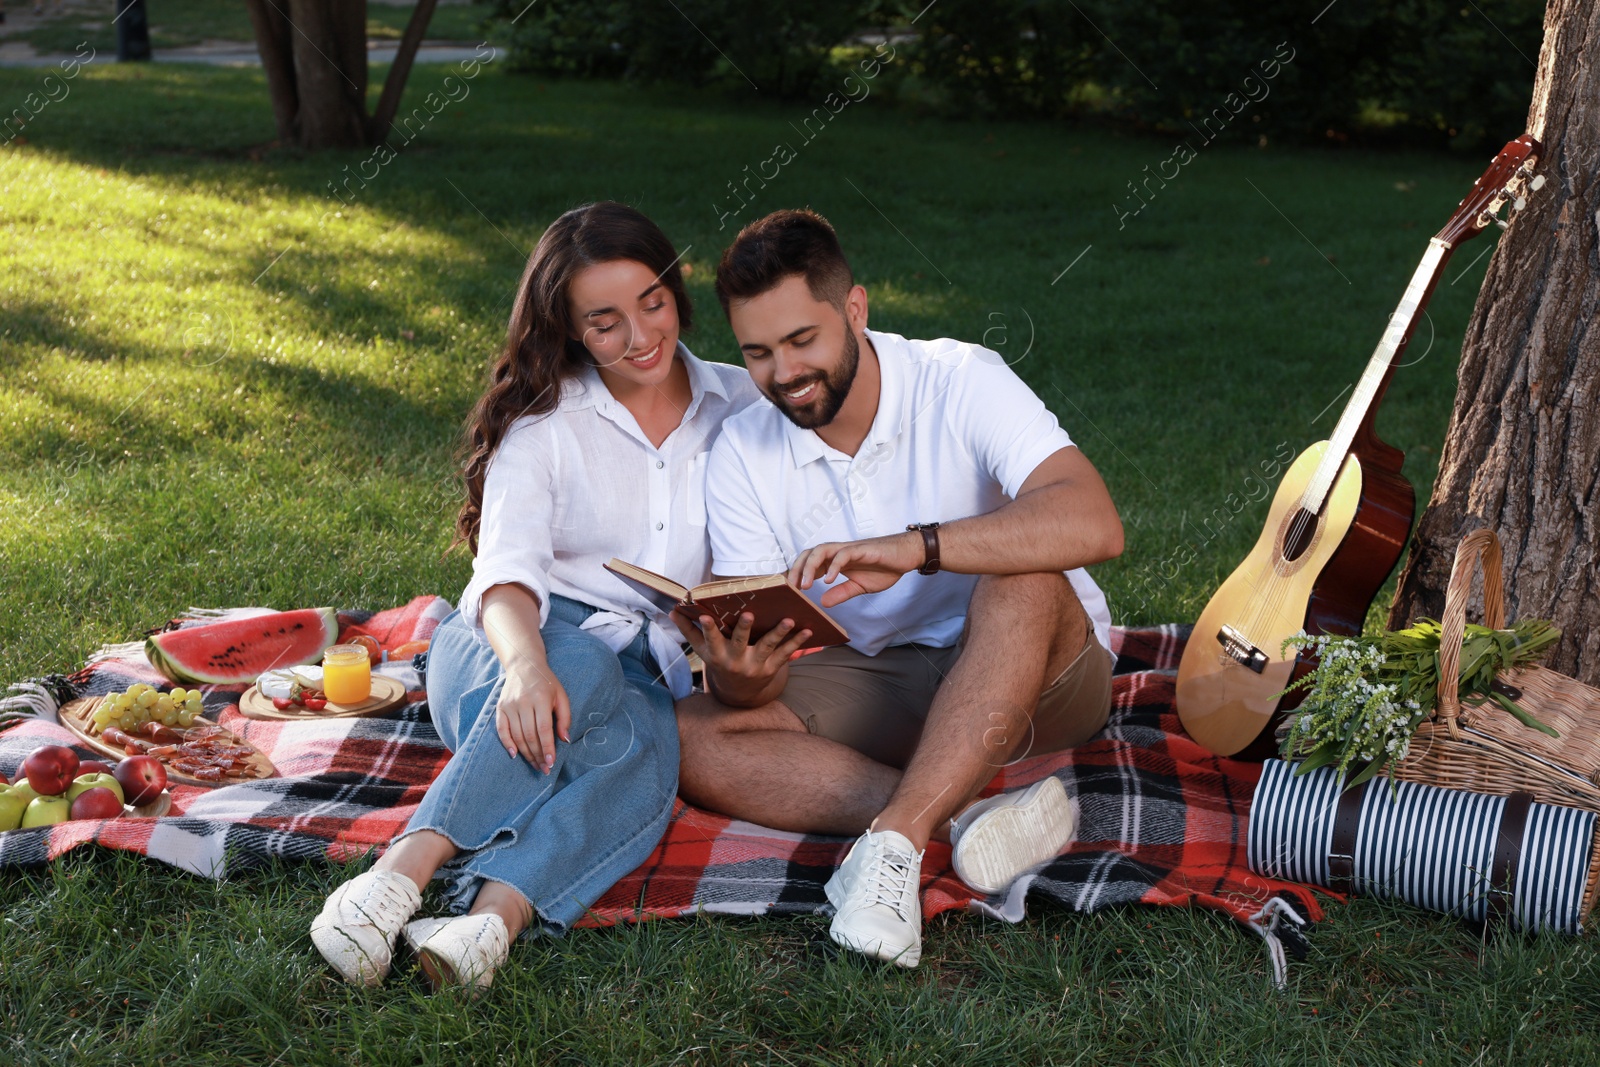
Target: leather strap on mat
(1342,849)
(1507,851)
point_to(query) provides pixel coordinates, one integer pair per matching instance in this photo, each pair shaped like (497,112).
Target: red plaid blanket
(1162,820)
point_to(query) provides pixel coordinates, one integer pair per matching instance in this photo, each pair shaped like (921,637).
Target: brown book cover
(769,597)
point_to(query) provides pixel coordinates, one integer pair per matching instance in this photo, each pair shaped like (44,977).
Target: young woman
(553,683)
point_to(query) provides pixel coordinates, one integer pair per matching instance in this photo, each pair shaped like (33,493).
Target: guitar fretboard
(1394,337)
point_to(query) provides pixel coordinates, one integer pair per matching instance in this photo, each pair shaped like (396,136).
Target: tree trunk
(314,53)
(1522,454)
(271,25)
(395,83)
(330,62)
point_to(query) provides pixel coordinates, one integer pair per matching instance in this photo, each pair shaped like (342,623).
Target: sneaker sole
(438,973)
(1010,840)
(876,948)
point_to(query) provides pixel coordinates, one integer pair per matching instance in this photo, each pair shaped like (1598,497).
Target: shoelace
(891,878)
(384,903)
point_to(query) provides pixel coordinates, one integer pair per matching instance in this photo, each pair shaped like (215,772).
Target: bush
(1412,69)
(781,49)
(1420,68)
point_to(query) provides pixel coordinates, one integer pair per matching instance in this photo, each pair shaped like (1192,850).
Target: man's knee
(1004,600)
(697,716)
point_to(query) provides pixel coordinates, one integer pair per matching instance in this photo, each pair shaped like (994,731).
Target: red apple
(92,766)
(85,782)
(51,769)
(97,803)
(142,779)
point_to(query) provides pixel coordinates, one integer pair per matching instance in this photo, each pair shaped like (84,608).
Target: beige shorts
(877,704)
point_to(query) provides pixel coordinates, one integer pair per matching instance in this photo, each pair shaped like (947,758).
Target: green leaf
(1513,708)
(1318,758)
(1367,774)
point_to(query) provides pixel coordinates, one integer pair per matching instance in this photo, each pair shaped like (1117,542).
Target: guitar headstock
(1509,180)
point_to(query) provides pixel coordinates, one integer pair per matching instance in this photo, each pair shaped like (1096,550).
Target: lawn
(220,386)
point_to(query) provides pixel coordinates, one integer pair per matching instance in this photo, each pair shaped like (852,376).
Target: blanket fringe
(123,651)
(39,698)
(1269,923)
(133,651)
(201,616)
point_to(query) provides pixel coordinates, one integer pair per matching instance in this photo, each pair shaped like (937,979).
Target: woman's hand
(533,712)
(741,672)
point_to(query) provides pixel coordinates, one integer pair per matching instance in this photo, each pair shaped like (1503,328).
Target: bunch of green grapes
(143,703)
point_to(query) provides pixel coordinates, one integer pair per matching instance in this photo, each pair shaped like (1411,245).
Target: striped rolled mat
(1479,857)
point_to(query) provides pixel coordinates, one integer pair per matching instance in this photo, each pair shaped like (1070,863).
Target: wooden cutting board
(387,693)
(78,715)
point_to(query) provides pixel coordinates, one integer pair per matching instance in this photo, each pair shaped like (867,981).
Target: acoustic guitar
(1338,521)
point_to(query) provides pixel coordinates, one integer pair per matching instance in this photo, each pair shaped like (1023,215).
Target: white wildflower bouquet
(1367,695)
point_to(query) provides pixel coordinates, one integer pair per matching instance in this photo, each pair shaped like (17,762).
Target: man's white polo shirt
(956,434)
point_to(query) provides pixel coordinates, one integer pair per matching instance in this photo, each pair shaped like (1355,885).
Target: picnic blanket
(1162,821)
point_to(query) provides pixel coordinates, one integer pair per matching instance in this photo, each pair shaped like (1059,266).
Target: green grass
(216,389)
(181,23)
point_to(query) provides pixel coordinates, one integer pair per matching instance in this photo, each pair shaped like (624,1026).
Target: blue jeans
(560,839)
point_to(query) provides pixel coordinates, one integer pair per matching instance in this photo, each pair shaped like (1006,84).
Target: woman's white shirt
(568,490)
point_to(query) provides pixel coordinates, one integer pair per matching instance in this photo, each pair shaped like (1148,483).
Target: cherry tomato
(314,703)
(282,703)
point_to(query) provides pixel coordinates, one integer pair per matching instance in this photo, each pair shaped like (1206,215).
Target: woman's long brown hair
(540,351)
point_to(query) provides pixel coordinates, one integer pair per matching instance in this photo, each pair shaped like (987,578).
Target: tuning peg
(1537,183)
(1520,203)
(1500,222)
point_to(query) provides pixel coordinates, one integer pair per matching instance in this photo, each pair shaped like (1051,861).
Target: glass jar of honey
(346,674)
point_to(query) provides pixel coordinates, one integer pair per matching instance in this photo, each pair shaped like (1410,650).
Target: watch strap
(930,546)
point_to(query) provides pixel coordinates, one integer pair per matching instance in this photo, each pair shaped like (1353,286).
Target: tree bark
(394,85)
(271,25)
(330,62)
(314,53)
(1522,454)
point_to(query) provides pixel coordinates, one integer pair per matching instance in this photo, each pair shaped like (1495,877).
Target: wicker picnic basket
(1484,749)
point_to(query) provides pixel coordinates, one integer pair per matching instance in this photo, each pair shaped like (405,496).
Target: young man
(988,653)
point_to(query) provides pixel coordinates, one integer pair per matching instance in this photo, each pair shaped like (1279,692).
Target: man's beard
(832,389)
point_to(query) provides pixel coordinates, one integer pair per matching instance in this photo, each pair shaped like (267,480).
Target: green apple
(23,789)
(12,805)
(45,811)
(85,782)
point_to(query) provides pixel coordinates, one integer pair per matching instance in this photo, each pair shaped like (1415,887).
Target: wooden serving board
(387,693)
(78,715)
(153,810)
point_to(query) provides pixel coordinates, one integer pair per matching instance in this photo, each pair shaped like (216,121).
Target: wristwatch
(930,546)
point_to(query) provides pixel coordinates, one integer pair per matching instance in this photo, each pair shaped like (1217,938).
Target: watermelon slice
(240,650)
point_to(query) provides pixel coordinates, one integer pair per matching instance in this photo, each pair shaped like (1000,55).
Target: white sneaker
(1000,837)
(356,930)
(875,895)
(463,950)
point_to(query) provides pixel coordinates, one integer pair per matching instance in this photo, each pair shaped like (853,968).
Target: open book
(769,597)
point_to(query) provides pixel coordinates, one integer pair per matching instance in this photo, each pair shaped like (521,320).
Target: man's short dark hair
(782,245)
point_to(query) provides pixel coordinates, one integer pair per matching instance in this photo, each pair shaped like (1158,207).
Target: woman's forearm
(510,615)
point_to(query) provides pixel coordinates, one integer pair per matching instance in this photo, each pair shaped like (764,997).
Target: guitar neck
(1375,378)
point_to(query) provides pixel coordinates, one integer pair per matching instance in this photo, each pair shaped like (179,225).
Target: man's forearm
(1047,529)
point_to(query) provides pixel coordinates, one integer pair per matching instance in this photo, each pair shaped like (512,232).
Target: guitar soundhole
(1299,534)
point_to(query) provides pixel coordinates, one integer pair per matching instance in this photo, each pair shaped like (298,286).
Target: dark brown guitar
(1338,522)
